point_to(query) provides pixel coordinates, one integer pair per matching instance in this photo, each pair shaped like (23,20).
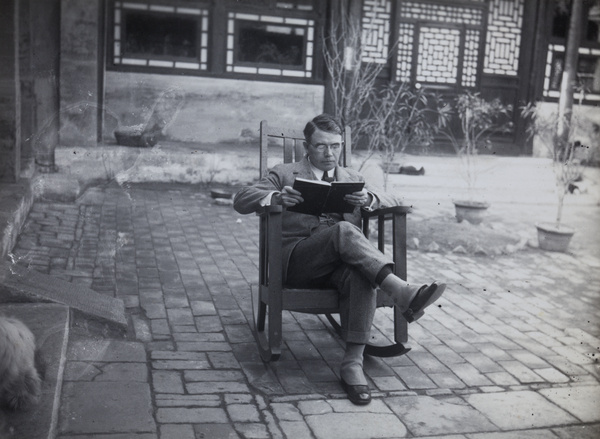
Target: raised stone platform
(16,200)
(19,284)
(50,324)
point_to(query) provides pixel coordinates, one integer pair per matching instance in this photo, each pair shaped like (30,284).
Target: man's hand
(288,197)
(362,198)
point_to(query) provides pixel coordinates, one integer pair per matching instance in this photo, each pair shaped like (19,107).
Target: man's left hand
(362,198)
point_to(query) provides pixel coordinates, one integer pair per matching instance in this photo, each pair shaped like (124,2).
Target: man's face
(324,149)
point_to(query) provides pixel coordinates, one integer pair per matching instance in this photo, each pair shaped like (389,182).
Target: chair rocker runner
(272,297)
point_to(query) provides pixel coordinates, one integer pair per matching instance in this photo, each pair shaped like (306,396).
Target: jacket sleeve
(382,199)
(247,199)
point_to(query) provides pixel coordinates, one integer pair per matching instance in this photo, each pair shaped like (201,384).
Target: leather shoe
(426,295)
(358,394)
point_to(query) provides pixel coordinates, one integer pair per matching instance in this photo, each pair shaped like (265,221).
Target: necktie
(326,177)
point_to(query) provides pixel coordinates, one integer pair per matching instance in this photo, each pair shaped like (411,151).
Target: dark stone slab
(35,286)
(50,324)
(106,407)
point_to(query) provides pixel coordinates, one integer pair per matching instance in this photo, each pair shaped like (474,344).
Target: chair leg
(269,347)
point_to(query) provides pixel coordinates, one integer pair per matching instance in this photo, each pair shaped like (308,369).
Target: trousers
(339,256)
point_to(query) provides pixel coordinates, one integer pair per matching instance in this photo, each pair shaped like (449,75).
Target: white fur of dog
(20,382)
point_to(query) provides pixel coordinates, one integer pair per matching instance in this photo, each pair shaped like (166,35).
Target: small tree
(400,116)
(479,120)
(563,149)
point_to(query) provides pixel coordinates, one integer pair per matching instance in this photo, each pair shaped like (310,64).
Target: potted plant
(479,119)
(567,157)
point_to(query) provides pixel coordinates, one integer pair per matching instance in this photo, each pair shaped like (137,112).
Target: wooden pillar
(10,95)
(80,47)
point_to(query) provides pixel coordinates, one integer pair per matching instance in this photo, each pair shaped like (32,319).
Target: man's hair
(323,122)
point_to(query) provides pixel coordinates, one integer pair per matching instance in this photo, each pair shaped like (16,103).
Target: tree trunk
(569,76)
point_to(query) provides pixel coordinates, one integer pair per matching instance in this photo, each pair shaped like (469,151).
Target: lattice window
(440,58)
(376,30)
(158,35)
(442,13)
(270,45)
(405,45)
(470,58)
(503,37)
(438,55)
(588,72)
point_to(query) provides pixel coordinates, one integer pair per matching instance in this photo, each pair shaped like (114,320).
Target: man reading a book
(329,249)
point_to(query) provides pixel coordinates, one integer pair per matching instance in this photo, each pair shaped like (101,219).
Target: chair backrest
(292,141)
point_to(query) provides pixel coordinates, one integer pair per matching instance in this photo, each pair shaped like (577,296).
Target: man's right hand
(288,197)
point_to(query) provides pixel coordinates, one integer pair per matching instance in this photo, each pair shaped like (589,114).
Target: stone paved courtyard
(511,351)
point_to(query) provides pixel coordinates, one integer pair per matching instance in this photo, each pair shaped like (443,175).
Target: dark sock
(383,273)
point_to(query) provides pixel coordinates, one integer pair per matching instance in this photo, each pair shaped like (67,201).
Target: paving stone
(286,412)
(96,350)
(519,410)
(212,430)
(155,310)
(252,430)
(355,425)
(197,337)
(106,407)
(81,371)
(238,399)
(388,384)
(243,413)
(578,431)
(110,436)
(212,375)
(552,375)
(175,400)
(160,327)
(446,380)
(414,378)
(180,364)
(127,372)
(166,381)
(217,387)
(204,346)
(521,372)
(185,415)
(530,434)
(424,415)
(203,308)
(470,375)
(173,355)
(177,431)
(483,363)
(223,360)
(581,402)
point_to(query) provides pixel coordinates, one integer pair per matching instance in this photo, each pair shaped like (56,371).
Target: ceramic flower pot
(391,167)
(471,211)
(552,238)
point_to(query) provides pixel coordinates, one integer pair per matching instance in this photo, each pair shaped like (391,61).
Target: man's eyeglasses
(322,147)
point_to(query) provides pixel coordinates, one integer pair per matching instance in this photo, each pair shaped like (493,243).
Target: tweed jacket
(298,226)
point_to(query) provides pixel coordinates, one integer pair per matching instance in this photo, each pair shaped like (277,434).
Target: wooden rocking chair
(272,296)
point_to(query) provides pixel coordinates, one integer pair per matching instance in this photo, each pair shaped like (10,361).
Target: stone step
(19,284)
(49,323)
(16,200)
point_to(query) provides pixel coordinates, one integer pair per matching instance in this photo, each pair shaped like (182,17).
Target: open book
(323,197)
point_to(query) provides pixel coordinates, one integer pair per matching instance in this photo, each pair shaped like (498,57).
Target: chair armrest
(385,211)
(274,208)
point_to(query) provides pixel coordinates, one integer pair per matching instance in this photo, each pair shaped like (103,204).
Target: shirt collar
(319,172)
